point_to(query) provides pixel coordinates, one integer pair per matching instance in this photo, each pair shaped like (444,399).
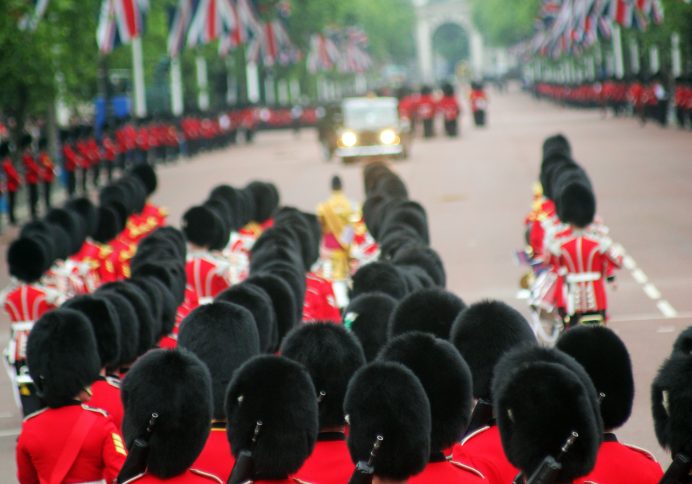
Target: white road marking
(629,263)
(523,294)
(665,329)
(639,276)
(667,310)
(652,291)
(9,433)
(628,318)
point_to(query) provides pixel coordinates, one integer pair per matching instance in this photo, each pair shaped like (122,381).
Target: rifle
(364,471)
(549,469)
(136,462)
(679,470)
(482,415)
(244,467)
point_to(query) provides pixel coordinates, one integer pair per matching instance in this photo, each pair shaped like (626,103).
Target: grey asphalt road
(477,189)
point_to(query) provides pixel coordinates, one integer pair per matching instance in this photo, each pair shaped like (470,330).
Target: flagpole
(617,53)
(176,87)
(676,55)
(252,79)
(634,56)
(202,83)
(138,74)
(654,62)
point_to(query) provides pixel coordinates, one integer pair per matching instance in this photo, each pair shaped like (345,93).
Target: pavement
(476,190)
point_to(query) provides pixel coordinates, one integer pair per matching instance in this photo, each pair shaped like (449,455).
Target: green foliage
(504,22)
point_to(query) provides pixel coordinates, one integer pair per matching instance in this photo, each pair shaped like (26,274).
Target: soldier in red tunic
(271,407)
(366,317)
(606,359)
(388,415)
(175,386)
(331,355)
(47,171)
(12,180)
(32,174)
(427,107)
(479,103)
(68,441)
(446,378)
(450,109)
(103,317)
(482,333)
(224,336)
(566,426)
(25,301)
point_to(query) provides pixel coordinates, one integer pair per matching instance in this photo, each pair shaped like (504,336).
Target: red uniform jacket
(320,301)
(46,432)
(110,150)
(208,275)
(11,176)
(32,172)
(189,304)
(72,159)
(426,107)
(448,472)
(483,450)
(330,461)
(24,305)
(478,100)
(583,260)
(106,396)
(449,107)
(168,342)
(190,476)
(47,167)
(617,462)
(216,457)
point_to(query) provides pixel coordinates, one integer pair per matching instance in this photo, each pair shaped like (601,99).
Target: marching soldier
(168,404)
(12,181)
(606,359)
(426,310)
(426,109)
(449,106)
(366,317)
(67,441)
(71,159)
(223,336)
(47,172)
(271,407)
(479,103)
(331,356)
(32,174)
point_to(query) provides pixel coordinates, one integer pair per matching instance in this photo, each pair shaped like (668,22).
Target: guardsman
(450,109)
(109,152)
(431,311)
(366,317)
(447,382)
(85,157)
(223,336)
(388,415)
(482,333)
(271,407)
(479,103)
(335,216)
(331,356)
(155,216)
(103,317)
(68,441)
(605,358)
(25,301)
(12,181)
(47,171)
(71,160)
(32,174)
(174,388)
(426,109)
(566,427)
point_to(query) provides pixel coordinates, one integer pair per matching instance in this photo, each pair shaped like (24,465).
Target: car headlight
(349,138)
(388,137)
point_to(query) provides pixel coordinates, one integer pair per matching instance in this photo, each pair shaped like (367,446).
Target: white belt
(22,326)
(583,277)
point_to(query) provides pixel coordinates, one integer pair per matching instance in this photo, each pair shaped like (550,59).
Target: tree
(504,22)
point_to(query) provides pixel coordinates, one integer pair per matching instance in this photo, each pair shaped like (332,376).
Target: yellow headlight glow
(388,137)
(349,138)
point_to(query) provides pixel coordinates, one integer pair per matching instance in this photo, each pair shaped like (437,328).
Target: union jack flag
(120,21)
(180,22)
(30,20)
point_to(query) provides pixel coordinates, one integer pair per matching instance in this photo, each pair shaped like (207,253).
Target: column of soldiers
(647,98)
(144,381)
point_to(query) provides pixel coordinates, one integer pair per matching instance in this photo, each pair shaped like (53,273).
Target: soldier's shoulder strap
(206,475)
(95,410)
(468,468)
(112,381)
(641,451)
(37,412)
(473,434)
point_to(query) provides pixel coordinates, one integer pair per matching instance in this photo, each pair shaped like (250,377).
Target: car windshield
(362,114)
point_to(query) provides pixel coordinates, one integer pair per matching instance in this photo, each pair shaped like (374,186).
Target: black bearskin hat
(367,317)
(577,205)
(279,291)
(107,226)
(257,301)
(28,258)
(446,378)
(146,173)
(605,358)
(279,393)
(62,356)
(265,200)
(104,321)
(484,332)
(223,336)
(379,276)
(331,355)
(72,224)
(541,396)
(201,226)
(683,343)
(175,385)
(425,258)
(128,326)
(671,400)
(86,209)
(136,297)
(429,310)
(557,143)
(386,399)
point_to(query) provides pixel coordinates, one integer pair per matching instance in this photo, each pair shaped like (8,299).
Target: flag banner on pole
(120,21)
(178,26)
(345,49)
(30,20)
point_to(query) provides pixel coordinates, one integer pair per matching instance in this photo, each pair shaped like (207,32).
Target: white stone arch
(430,15)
